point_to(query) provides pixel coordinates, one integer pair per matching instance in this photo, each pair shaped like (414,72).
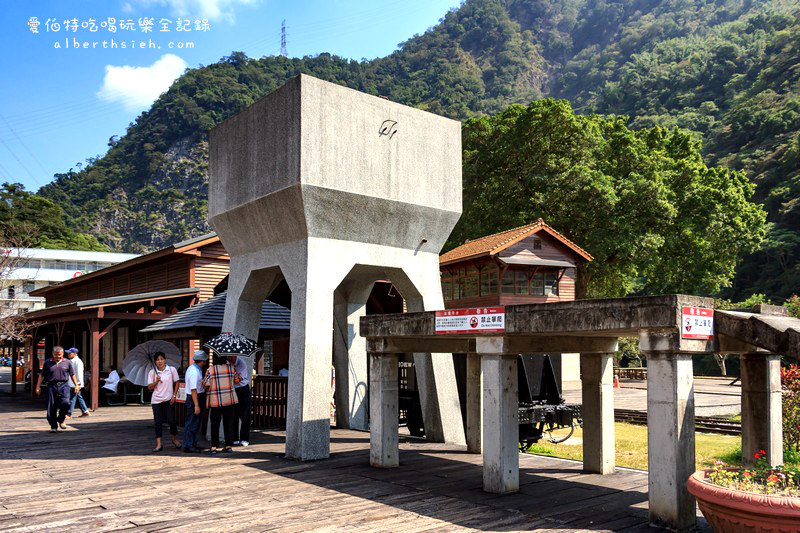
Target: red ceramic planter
(736,511)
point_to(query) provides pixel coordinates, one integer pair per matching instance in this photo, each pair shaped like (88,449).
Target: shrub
(761,479)
(790,383)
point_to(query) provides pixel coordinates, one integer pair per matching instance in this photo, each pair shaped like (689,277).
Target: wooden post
(30,344)
(14,357)
(94,329)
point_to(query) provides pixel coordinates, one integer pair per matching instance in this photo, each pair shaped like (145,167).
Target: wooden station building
(525,265)
(103,312)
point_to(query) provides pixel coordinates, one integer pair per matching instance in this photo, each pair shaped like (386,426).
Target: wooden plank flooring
(100,476)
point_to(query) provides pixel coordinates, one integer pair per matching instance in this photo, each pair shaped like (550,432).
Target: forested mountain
(728,70)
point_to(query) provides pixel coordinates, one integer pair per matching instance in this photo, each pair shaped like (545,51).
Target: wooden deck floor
(99,475)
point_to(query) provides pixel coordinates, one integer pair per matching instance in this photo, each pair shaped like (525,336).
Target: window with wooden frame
(521,282)
(471,282)
(537,244)
(551,283)
(508,282)
(489,281)
(537,284)
(462,280)
(447,286)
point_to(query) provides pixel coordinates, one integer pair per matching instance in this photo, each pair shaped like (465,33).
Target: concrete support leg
(310,349)
(500,424)
(670,437)
(436,378)
(384,411)
(762,419)
(473,403)
(350,354)
(597,375)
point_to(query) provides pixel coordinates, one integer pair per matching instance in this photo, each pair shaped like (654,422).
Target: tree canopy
(655,217)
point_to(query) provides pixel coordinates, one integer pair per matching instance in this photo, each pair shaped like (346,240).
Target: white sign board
(475,320)
(181,392)
(697,323)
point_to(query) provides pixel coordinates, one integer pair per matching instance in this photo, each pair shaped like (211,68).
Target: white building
(27,269)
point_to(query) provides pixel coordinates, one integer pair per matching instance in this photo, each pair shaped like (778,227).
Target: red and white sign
(479,319)
(697,323)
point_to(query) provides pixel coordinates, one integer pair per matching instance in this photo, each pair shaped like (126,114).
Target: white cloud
(138,87)
(210,9)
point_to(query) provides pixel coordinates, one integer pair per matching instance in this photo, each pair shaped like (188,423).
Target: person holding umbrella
(163,381)
(219,383)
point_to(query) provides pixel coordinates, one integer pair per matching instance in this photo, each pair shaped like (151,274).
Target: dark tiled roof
(209,314)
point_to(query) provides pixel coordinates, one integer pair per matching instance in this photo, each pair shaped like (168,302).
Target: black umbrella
(233,344)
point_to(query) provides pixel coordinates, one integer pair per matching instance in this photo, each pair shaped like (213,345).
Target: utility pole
(284,53)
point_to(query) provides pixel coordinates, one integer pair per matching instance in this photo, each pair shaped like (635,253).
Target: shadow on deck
(100,475)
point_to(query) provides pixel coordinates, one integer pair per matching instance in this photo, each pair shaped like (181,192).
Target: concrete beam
(670,437)
(474,426)
(597,411)
(500,423)
(762,418)
(384,449)
(500,344)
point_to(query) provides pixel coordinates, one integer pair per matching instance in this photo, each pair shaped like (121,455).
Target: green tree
(643,203)
(43,219)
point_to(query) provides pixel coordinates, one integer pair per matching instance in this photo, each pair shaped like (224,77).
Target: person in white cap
(195,401)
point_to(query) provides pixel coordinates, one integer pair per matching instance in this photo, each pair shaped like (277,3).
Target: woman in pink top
(163,381)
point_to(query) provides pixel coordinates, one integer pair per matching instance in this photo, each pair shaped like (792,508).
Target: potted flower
(753,500)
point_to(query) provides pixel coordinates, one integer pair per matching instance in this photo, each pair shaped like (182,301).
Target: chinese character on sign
(111,24)
(201,25)
(52,25)
(164,24)
(146,24)
(89,24)
(126,24)
(33,24)
(183,25)
(71,25)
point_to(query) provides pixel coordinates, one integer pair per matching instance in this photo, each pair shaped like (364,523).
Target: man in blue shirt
(195,401)
(57,372)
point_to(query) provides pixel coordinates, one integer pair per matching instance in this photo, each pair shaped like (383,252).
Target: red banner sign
(475,320)
(697,323)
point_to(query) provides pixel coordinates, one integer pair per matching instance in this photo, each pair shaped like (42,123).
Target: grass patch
(631,447)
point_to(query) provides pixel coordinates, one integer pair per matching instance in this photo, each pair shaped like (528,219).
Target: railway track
(705,424)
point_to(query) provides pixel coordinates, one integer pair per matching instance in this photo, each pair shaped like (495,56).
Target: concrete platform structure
(592,327)
(331,190)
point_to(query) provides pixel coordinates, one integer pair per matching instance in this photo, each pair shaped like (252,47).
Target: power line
(25,146)
(20,162)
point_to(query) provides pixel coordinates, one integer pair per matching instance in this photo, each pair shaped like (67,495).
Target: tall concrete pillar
(474,426)
(420,285)
(310,353)
(384,449)
(350,354)
(500,423)
(597,411)
(762,417)
(670,439)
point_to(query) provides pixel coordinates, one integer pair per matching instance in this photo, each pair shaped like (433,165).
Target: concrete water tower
(332,189)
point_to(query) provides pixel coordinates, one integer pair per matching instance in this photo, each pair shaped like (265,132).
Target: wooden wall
(169,274)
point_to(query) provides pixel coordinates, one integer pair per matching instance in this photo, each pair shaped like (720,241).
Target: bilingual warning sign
(478,319)
(697,323)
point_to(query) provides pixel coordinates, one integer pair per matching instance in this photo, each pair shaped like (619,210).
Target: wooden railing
(631,373)
(269,395)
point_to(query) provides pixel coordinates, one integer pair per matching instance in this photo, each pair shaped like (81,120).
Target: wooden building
(529,264)
(103,312)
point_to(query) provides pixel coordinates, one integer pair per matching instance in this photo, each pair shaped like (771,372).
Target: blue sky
(59,105)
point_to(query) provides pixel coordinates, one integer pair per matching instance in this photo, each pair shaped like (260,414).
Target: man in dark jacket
(57,372)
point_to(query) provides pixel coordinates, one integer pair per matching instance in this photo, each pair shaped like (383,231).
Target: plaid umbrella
(233,344)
